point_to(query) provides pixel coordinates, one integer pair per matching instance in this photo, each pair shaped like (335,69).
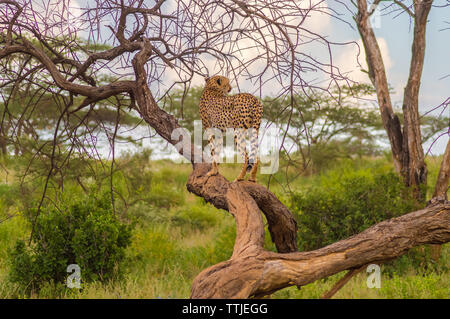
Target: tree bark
(440,192)
(441,188)
(414,169)
(377,75)
(282,225)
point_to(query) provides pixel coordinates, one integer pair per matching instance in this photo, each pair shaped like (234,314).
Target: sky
(395,39)
(394,36)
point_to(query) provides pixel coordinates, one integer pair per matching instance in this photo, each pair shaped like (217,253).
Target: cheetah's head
(218,83)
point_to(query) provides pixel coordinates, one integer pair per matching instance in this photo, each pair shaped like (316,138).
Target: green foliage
(419,286)
(418,258)
(197,216)
(85,232)
(145,190)
(345,203)
(324,156)
(6,200)
(184,106)
(327,119)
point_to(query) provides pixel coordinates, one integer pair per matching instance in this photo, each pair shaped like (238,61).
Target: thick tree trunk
(414,169)
(377,75)
(406,145)
(440,192)
(282,225)
(252,271)
(441,188)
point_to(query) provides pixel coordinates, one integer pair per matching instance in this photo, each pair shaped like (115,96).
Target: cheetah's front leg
(240,143)
(243,170)
(214,169)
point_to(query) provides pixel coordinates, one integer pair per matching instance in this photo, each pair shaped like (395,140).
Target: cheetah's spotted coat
(241,111)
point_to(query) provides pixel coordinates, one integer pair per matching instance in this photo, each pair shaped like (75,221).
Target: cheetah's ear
(219,81)
(206,78)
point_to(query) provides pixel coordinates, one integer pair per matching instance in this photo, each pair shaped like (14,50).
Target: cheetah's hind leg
(214,170)
(253,171)
(254,155)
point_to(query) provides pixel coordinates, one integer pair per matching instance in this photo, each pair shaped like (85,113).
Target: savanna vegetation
(158,236)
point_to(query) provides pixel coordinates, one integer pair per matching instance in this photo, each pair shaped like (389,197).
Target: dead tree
(153,47)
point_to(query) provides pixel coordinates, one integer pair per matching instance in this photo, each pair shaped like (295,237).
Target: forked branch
(252,271)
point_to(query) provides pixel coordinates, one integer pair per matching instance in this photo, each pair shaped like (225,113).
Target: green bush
(196,216)
(8,194)
(85,232)
(346,203)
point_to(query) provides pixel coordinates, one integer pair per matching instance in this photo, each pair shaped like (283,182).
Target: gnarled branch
(252,271)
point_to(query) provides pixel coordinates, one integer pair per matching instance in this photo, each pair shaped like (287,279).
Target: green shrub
(413,287)
(417,259)
(85,232)
(7,196)
(196,216)
(164,196)
(346,203)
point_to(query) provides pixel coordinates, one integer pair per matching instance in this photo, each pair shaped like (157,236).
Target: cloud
(248,51)
(352,60)
(55,17)
(317,20)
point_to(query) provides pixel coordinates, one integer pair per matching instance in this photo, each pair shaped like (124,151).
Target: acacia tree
(150,39)
(406,141)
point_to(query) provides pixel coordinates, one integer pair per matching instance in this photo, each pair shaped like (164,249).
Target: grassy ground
(183,235)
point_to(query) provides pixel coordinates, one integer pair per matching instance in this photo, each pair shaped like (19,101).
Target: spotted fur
(241,112)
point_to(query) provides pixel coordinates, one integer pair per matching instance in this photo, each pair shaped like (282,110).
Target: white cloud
(317,21)
(55,17)
(246,50)
(352,64)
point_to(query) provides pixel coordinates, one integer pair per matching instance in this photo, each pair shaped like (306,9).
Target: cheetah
(241,112)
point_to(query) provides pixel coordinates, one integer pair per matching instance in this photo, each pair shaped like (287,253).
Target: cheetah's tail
(254,149)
